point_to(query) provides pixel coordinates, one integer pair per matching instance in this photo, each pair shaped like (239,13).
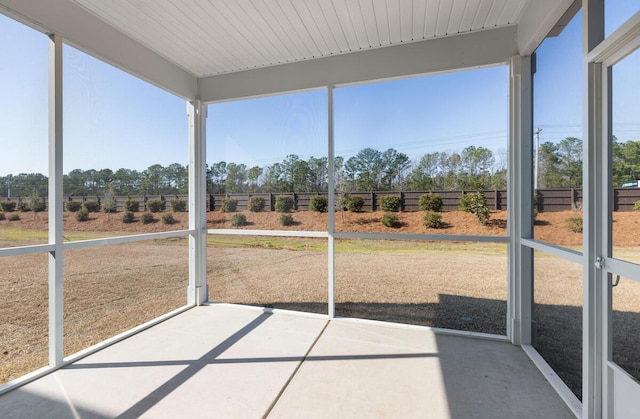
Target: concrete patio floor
(232,362)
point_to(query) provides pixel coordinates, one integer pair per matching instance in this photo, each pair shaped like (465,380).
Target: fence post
(573,199)
(270,201)
(373,202)
(401,201)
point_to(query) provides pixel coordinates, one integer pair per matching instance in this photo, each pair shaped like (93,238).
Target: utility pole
(537,160)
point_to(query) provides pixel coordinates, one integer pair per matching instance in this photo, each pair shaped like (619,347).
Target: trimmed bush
(286,219)
(109,205)
(574,224)
(128,217)
(238,220)
(91,206)
(178,205)
(131,206)
(8,206)
(430,202)
(432,219)
(636,206)
(73,206)
(2,217)
(390,203)
(147,218)
(37,206)
(168,219)
(229,205)
(82,215)
(475,203)
(390,220)
(156,205)
(355,203)
(319,203)
(14,217)
(256,204)
(284,203)
(22,206)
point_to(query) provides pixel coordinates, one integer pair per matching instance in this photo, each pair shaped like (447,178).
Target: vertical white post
(197,292)
(56,351)
(593,200)
(331,185)
(520,304)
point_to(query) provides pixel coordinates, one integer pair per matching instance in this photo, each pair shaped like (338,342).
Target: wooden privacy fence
(548,200)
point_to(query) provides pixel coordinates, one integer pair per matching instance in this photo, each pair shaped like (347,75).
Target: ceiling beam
(86,32)
(538,20)
(441,54)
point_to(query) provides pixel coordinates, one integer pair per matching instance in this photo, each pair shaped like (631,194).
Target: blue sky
(114,120)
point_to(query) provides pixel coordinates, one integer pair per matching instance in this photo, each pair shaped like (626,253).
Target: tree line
(560,166)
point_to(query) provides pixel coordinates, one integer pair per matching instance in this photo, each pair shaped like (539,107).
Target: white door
(618,61)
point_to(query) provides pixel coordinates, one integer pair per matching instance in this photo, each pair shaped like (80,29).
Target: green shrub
(91,206)
(73,206)
(14,217)
(147,218)
(355,203)
(636,206)
(286,219)
(37,205)
(178,205)
(284,203)
(82,215)
(430,202)
(475,203)
(574,224)
(256,204)
(128,217)
(2,216)
(168,219)
(156,205)
(390,203)
(109,205)
(131,206)
(238,220)
(229,205)
(22,206)
(390,220)
(319,203)
(8,206)
(432,219)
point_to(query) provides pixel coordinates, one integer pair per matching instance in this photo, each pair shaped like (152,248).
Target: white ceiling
(210,37)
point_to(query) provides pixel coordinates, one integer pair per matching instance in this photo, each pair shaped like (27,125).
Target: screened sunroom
(373,208)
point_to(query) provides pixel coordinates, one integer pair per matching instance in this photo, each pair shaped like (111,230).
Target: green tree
(236,179)
(626,161)
(394,168)
(253,175)
(365,169)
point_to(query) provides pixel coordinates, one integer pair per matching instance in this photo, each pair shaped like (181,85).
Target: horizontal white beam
(274,233)
(559,251)
(477,49)
(82,244)
(27,250)
(86,32)
(424,237)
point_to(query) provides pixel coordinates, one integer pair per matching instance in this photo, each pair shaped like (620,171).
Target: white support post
(594,199)
(520,306)
(332,207)
(56,351)
(197,292)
